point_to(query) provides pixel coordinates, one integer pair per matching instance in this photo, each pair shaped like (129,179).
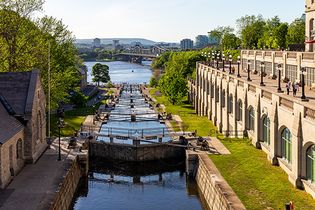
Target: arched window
(230,105)
(286,141)
(266,130)
(251,120)
(19,149)
(239,116)
(310,161)
(223,98)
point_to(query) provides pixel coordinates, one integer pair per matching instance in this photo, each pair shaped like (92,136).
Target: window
(286,141)
(223,98)
(239,116)
(19,147)
(230,106)
(266,130)
(251,120)
(310,161)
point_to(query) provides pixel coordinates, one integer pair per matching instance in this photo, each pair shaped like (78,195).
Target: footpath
(36,185)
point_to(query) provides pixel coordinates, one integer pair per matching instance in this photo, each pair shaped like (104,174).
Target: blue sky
(162,20)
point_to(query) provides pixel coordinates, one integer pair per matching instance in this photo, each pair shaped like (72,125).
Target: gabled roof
(19,89)
(9,126)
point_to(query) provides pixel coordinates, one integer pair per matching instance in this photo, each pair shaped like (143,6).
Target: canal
(158,185)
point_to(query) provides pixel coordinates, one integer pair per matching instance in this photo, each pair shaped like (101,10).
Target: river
(123,72)
(159,185)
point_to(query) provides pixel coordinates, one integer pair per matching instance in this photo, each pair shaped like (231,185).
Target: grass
(187,113)
(257,183)
(73,120)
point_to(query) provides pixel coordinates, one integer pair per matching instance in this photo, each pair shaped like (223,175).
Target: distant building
(115,44)
(186,44)
(96,43)
(22,122)
(213,41)
(201,41)
(83,72)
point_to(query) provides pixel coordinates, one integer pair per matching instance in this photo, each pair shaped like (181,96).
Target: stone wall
(10,162)
(67,189)
(215,191)
(134,153)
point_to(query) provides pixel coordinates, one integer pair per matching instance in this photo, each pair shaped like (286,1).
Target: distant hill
(121,41)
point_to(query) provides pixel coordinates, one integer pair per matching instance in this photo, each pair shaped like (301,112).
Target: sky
(162,20)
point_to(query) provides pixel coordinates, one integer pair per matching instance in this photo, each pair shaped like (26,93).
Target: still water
(124,72)
(148,186)
(160,185)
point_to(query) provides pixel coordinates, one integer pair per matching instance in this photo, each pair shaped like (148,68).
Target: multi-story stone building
(22,122)
(309,21)
(186,44)
(279,124)
(202,41)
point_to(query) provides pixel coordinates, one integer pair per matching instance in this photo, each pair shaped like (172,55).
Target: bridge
(138,54)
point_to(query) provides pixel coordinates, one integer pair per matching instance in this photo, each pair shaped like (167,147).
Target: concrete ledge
(216,191)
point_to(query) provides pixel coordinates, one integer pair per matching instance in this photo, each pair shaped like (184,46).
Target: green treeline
(179,66)
(25,44)
(255,32)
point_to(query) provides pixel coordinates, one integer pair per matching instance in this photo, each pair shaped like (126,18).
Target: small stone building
(22,122)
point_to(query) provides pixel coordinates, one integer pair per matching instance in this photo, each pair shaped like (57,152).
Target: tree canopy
(27,44)
(100,73)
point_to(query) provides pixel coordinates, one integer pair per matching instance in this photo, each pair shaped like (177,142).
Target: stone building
(279,124)
(22,122)
(309,25)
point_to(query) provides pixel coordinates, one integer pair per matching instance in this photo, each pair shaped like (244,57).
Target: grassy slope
(187,114)
(257,183)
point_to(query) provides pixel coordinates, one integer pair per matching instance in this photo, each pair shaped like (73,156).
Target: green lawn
(187,114)
(73,120)
(256,182)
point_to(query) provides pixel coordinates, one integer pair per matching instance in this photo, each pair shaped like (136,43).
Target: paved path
(35,186)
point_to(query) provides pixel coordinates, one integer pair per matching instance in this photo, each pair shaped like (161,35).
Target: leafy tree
(100,73)
(296,32)
(251,29)
(159,62)
(230,41)
(174,86)
(25,44)
(220,31)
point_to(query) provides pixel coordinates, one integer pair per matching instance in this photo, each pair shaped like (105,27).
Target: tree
(219,32)
(296,32)
(100,73)
(230,41)
(251,29)
(24,45)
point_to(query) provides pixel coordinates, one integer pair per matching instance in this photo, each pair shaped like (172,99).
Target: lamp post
(262,72)
(238,66)
(279,79)
(230,60)
(248,71)
(60,124)
(218,57)
(303,73)
(223,59)
(213,59)
(209,56)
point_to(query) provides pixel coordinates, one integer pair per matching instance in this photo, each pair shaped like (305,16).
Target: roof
(19,88)
(9,126)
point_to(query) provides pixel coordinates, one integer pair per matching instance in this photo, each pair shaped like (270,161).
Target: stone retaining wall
(68,187)
(134,153)
(214,189)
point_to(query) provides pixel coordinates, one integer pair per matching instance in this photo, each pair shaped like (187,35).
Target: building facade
(23,122)
(202,41)
(186,44)
(96,43)
(291,64)
(309,25)
(274,123)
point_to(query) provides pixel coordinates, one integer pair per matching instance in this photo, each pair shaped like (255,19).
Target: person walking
(294,88)
(288,86)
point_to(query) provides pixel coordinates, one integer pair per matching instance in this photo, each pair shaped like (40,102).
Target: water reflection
(130,186)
